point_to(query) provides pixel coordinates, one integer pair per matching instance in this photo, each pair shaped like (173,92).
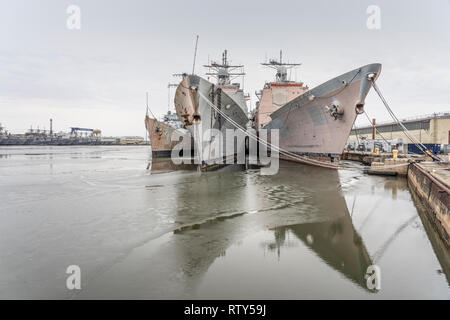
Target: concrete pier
(430,182)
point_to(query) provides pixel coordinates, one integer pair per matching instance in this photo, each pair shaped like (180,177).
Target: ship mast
(195,55)
(224,71)
(281,68)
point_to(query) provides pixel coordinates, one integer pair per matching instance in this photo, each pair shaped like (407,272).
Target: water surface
(175,233)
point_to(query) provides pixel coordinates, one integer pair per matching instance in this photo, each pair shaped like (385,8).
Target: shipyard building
(432,130)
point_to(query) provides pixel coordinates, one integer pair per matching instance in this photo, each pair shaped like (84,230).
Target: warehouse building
(432,130)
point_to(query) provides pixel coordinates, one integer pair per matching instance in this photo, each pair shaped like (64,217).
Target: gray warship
(193,99)
(313,123)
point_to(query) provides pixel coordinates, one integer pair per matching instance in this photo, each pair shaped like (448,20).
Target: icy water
(164,233)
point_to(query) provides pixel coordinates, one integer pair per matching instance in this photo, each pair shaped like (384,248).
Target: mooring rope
(288,153)
(356,134)
(405,131)
(379,133)
(267,144)
(302,159)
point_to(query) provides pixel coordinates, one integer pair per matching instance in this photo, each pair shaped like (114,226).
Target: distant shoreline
(79,144)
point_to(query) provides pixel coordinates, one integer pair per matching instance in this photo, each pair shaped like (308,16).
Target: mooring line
(368,118)
(405,131)
(267,144)
(304,159)
(288,153)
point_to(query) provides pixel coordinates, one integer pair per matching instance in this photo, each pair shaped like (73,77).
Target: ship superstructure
(225,73)
(277,93)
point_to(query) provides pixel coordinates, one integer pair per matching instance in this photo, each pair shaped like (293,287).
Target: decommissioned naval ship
(193,99)
(160,131)
(313,123)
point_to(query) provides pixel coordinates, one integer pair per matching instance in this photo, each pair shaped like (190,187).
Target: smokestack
(51,126)
(373,129)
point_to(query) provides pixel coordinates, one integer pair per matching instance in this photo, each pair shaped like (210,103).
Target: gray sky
(97,76)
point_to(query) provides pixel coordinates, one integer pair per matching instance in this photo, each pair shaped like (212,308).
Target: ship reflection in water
(172,232)
(243,235)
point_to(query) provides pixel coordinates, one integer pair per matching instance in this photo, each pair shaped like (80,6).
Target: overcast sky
(97,76)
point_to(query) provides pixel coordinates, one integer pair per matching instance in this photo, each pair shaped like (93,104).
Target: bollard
(395,153)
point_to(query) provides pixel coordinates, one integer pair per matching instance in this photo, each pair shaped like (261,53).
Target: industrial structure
(76,136)
(432,130)
(3,131)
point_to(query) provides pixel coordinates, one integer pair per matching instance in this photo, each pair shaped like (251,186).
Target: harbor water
(171,232)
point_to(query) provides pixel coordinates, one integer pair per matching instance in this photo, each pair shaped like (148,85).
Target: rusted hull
(160,135)
(192,103)
(308,127)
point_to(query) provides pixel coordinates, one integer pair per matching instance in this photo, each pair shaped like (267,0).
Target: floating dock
(367,158)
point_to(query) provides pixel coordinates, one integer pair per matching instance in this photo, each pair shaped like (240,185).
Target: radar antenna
(281,67)
(223,71)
